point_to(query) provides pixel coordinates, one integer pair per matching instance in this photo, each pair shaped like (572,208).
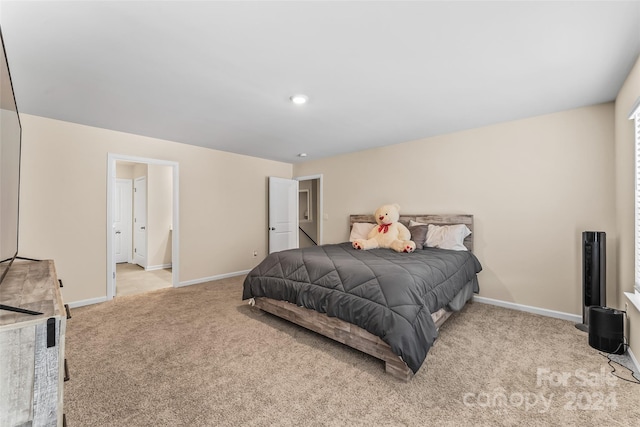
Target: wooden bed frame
(352,335)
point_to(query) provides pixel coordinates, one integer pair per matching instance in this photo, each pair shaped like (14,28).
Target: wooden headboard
(426,219)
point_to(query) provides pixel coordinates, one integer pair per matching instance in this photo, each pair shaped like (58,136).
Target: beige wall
(533,186)
(63,202)
(140,170)
(624,186)
(159,215)
(124,170)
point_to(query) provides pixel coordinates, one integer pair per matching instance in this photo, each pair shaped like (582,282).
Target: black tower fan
(594,274)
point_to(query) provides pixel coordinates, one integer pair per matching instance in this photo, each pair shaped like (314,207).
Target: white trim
(157,267)
(634,298)
(148,160)
(91,301)
(320,202)
(211,278)
(530,309)
(635,116)
(175,235)
(111,178)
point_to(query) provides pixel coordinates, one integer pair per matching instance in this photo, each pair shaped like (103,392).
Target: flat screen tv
(10,140)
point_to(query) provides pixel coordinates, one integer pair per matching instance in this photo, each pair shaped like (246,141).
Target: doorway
(310,210)
(152,257)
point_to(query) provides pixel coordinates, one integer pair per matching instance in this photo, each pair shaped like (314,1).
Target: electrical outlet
(255,253)
(625,306)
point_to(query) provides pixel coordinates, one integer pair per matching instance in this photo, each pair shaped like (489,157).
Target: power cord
(613,372)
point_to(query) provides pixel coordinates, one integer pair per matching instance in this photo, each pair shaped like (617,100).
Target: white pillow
(360,230)
(447,236)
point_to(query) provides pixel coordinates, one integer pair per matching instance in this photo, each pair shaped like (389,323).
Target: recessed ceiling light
(302,155)
(299,99)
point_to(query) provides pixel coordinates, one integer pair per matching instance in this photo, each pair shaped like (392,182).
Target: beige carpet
(199,356)
(132,279)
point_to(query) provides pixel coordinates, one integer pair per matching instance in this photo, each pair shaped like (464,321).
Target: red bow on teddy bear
(384,227)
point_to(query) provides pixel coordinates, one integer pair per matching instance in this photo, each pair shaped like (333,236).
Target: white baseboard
(530,309)
(87,302)
(158,267)
(633,359)
(209,279)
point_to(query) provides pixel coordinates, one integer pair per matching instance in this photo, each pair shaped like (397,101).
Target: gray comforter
(390,294)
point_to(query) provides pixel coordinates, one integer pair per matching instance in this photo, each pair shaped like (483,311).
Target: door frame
(320,202)
(175,235)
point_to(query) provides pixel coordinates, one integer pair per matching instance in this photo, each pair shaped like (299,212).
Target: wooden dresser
(32,363)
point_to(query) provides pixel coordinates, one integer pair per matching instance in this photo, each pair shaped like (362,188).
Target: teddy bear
(389,233)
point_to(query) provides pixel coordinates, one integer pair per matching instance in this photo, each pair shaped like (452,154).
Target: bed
(386,304)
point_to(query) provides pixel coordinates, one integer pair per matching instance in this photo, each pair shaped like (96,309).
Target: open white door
(122,221)
(283,214)
(140,221)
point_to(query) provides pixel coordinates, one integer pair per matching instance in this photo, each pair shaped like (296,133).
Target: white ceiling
(219,74)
